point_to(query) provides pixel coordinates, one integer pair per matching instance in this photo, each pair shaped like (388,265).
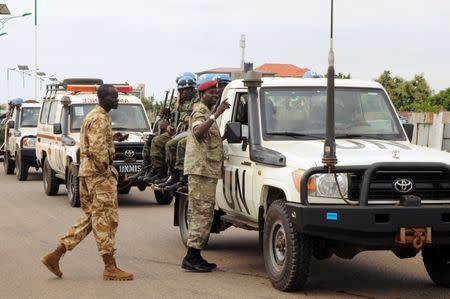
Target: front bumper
(375,226)
(28,154)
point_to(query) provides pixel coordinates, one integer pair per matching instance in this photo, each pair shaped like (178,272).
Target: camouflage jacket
(185,109)
(203,156)
(96,144)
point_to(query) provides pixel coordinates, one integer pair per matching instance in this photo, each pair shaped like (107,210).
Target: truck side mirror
(57,128)
(234,132)
(409,129)
(11,124)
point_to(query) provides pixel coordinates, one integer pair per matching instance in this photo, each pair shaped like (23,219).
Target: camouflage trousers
(158,149)
(181,150)
(202,194)
(98,197)
(172,149)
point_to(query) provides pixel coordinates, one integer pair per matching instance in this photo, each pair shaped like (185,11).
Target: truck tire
(22,167)
(124,190)
(287,254)
(73,187)
(51,182)
(437,264)
(163,198)
(183,220)
(8,163)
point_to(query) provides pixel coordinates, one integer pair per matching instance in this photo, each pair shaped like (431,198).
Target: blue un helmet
(15,102)
(186,82)
(185,74)
(222,78)
(311,74)
(203,78)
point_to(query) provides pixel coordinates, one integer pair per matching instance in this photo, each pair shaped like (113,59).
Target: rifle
(167,112)
(165,103)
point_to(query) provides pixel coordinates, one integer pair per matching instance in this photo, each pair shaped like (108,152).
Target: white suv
(58,145)
(20,137)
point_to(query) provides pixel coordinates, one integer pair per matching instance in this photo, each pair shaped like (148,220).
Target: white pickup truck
(19,132)
(384,193)
(58,136)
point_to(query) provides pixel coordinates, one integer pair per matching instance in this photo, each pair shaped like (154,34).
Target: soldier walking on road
(203,165)
(98,189)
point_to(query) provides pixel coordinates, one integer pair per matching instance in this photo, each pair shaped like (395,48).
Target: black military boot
(173,178)
(193,261)
(183,189)
(174,187)
(162,180)
(154,174)
(139,176)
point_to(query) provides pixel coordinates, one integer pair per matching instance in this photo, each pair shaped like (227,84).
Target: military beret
(207,85)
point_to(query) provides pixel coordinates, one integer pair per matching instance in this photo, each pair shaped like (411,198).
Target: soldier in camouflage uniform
(203,165)
(181,185)
(158,153)
(98,188)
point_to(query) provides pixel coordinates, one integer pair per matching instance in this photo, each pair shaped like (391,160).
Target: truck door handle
(246,163)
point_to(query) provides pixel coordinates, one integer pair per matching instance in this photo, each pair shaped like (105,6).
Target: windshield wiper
(294,134)
(376,136)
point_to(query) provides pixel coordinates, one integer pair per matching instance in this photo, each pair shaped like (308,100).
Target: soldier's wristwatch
(212,117)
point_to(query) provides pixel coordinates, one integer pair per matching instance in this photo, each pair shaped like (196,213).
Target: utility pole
(242,44)
(35,52)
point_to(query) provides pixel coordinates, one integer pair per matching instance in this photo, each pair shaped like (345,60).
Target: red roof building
(282,70)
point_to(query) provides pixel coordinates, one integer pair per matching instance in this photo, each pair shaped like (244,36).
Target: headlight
(325,185)
(29,142)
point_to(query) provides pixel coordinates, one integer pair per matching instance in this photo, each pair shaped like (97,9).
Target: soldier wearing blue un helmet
(311,74)
(163,148)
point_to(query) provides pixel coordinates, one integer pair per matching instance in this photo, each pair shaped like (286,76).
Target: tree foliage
(412,95)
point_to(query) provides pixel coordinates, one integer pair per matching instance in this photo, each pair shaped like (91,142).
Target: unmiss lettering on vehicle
(58,150)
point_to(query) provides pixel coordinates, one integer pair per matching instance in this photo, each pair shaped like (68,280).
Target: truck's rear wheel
(287,254)
(73,187)
(163,198)
(51,182)
(8,163)
(437,264)
(21,168)
(183,220)
(124,190)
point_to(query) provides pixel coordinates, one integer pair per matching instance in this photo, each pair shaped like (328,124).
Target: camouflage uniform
(98,184)
(175,149)
(203,164)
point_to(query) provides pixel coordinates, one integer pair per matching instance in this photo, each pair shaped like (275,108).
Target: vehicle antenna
(329,158)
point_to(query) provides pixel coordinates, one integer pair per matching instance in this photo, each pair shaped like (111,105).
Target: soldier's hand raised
(222,107)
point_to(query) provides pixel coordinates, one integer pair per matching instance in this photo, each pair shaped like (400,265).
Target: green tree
(441,99)
(340,76)
(406,95)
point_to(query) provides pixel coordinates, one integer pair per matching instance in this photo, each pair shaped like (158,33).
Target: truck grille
(428,185)
(129,151)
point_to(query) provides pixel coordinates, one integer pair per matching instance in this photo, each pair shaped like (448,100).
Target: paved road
(149,246)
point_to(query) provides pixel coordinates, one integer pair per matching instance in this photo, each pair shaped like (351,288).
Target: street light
(2,33)
(23,68)
(6,19)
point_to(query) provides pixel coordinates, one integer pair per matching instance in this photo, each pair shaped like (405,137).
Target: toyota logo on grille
(403,185)
(129,153)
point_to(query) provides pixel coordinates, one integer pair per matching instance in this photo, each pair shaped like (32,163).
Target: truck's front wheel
(287,254)
(51,182)
(22,167)
(163,198)
(437,264)
(8,163)
(73,186)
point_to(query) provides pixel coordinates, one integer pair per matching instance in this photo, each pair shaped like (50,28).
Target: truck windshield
(29,117)
(127,117)
(299,113)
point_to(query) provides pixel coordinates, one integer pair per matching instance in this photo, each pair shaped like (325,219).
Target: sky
(152,41)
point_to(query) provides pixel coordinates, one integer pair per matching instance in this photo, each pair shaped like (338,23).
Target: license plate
(129,168)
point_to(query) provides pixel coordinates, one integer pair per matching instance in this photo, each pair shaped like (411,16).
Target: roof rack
(52,89)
